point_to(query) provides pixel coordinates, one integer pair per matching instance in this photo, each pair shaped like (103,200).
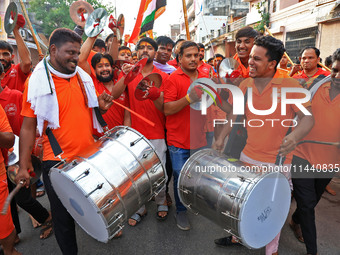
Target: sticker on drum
(264,211)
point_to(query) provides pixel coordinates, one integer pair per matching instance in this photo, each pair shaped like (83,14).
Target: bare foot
(119,234)
(35,224)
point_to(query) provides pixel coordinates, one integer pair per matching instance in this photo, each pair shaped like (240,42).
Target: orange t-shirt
(244,71)
(181,132)
(283,73)
(326,128)
(4,127)
(89,59)
(75,119)
(263,142)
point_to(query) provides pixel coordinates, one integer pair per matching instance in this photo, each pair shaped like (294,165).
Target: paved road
(153,237)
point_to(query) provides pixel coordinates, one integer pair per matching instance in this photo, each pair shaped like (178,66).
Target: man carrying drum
(151,108)
(59,95)
(268,145)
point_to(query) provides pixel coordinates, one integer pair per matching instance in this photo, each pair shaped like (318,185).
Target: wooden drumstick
(30,27)
(136,114)
(289,59)
(10,197)
(337,144)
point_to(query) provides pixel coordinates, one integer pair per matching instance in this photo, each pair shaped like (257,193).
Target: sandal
(137,218)
(46,229)
(162,208)
(226,241)
(40,192)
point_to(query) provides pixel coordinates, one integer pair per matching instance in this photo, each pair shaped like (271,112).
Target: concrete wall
(286,3)
(329,39)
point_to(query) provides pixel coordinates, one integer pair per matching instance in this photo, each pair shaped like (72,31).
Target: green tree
(56,13)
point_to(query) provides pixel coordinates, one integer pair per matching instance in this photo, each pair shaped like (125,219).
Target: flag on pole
(149,10)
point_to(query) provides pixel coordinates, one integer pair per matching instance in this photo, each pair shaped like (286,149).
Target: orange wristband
(188,98)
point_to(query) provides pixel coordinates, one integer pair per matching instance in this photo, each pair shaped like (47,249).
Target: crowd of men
(77,77)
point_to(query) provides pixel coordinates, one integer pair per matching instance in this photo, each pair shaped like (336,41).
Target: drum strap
(57,151)
(238,136)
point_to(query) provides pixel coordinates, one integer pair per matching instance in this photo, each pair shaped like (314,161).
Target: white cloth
(44,102)
(166,68)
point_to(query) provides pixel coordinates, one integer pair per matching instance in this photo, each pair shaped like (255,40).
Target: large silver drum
(103,189)
(250,205)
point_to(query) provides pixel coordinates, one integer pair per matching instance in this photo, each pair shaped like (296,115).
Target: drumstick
(136,114)
(289,59)
(10,197)
(337,144)
(30,27)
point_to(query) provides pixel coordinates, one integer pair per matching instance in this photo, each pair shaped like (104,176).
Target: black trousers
(307,192)
(63,223)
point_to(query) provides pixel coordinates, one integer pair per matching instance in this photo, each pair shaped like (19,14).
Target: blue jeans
(178,158)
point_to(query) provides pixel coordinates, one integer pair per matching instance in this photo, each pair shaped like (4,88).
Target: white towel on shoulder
(44,102)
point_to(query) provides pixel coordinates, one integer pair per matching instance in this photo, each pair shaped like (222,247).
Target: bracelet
(188,98)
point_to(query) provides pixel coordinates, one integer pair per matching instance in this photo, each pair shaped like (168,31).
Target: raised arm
(24,53)
(85,51)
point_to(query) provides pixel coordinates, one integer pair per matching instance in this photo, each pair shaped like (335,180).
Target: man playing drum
(179,115)
(59,95)
(263,60)
(313,165)
(151,108)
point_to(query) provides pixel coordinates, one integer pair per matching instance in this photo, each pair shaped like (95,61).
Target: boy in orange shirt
(263,60)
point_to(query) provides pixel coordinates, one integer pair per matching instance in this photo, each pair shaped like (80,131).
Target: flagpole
(186,19)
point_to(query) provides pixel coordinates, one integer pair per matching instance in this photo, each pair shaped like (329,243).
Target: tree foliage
(52,14)
(262,8)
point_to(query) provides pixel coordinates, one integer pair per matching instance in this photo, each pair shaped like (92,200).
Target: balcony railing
(320,2)
(238,24)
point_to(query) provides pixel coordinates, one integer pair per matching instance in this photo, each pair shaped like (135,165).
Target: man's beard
(105,79)
(5,64)
(201,58)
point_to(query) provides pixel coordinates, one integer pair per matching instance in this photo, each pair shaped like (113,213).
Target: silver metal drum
(102,188)
(251,206)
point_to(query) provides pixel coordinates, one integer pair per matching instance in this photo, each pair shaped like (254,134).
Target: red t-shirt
(115,115)
(179,131)
(147,109)
(15,78)
(173,63)
(11,101)
(205,68)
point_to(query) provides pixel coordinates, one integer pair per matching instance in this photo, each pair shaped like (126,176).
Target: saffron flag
(149,10)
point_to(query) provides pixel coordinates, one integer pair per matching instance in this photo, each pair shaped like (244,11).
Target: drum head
(264,211)
(73,197)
